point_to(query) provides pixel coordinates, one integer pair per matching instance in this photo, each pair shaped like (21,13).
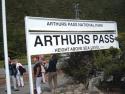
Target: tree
(110,63)
(79,66)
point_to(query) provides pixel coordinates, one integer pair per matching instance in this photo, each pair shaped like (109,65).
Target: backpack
(22,70)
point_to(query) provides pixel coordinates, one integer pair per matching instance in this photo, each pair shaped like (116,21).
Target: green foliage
(84,65)
(79,66)
(101,57)
(111,62)
(121,39)
(1,64)
(105,57)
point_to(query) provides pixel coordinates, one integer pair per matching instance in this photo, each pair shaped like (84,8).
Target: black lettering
(64,39)
(86,37)
(72,40)
(38,41)
(101,39)
(48,39)
(80,38)
(56,38)
(112,38)
(95,37)
(106,38)
(48,23)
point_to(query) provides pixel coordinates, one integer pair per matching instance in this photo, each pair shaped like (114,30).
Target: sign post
(29,58)
(51,35)
(5,47)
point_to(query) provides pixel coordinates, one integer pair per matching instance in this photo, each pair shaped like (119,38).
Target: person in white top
(20,81)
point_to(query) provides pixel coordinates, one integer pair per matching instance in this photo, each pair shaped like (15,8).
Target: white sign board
(59,35)
(50,35)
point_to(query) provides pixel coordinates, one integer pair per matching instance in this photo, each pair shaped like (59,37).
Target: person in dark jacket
(13,70)
(52,73)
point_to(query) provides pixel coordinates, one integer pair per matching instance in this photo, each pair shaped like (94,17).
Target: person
(14,74)
(38,70)
(20,72)
(52,73)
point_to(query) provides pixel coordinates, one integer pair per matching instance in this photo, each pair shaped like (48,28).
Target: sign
(47,35)
(50,35)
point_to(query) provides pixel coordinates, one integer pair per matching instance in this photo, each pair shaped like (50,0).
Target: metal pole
(5,47)
(76,9)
